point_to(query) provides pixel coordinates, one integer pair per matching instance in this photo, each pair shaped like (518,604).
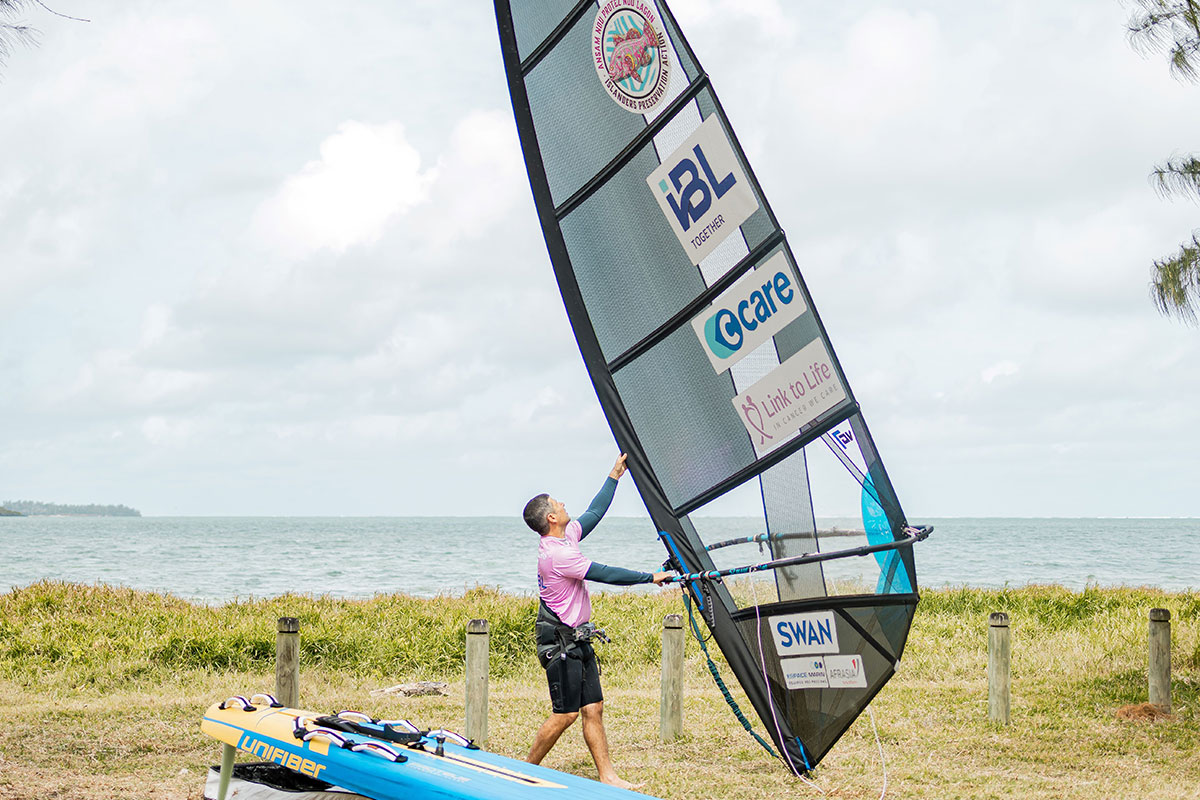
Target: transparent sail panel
(788,529)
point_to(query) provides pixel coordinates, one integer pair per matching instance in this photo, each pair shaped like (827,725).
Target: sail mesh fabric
(611,248)
(533,22)
(575,145)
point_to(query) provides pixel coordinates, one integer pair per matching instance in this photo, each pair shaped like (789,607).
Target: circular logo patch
(629,49)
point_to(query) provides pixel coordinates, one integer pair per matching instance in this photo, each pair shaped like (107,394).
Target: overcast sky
(281,258)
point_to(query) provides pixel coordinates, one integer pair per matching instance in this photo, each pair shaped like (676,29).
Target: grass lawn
(102,689)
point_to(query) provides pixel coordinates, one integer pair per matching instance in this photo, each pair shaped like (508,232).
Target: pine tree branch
(1171,27)
(1179,176)
(1175,287)
(13,33)
(58,14)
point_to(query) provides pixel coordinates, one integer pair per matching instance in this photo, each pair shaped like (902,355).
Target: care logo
(749,313)
(629,50)
(702,190)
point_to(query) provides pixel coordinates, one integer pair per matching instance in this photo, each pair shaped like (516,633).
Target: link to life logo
(702,190)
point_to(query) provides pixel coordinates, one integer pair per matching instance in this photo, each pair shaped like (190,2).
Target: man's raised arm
(589,519)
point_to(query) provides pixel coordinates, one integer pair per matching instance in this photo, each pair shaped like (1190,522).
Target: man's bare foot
(621,783)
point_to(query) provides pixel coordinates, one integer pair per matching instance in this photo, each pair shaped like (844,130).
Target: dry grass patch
(1143,712)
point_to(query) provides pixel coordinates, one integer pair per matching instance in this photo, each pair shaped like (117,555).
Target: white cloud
(160,431)
(286,253)
(767,15)
(886,69)
(1000,369)
(480,177)
(366,176)
(546,398)
(144,62)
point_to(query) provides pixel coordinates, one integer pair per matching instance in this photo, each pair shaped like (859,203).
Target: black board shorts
(574,681)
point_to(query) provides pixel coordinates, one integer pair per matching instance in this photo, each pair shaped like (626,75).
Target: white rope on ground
(762,659)
(879,743)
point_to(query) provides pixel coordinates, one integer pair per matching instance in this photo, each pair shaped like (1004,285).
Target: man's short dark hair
(535,514)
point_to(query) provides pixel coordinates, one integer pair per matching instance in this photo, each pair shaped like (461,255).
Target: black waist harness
(556,639)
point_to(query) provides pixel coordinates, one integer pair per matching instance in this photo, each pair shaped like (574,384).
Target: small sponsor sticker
(843,436)
(804,634)
(748,313)
(808,672)
(846,672)
(631,55)
(702,190)
(792,395)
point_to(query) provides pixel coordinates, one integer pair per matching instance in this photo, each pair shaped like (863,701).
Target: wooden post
(477,680)
(1160,658)
(670,718)
(999,661)
(287,661)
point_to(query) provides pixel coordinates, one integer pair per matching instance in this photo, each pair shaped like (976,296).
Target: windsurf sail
(708,357)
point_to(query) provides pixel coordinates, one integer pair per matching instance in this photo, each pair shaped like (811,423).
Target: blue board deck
(427,769)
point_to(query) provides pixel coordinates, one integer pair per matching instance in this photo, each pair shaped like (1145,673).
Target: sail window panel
(579,127)
(798,334)
(684,416)
(886,625)
(787,499)
(783,492)
(533,22)
(724,519)
(759,226)
(631,271)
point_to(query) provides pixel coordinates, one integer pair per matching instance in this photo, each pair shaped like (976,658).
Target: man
(564,617)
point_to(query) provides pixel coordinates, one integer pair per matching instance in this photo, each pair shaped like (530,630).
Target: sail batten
(691,309)
(762,465)
(555,35)
(709,359)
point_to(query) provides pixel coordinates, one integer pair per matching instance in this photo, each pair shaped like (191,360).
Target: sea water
(214,560)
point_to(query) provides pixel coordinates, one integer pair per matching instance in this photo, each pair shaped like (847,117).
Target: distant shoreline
(31,508)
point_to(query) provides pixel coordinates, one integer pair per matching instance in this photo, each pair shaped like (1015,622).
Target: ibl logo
(691,202)
(702,190)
